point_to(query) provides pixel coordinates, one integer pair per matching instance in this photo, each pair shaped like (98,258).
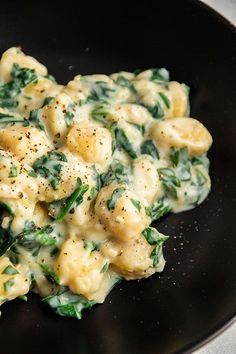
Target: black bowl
(195,296)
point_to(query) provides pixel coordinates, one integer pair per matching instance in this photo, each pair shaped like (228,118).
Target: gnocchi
(85,169)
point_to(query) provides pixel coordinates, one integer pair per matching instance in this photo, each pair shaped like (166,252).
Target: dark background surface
(196,293)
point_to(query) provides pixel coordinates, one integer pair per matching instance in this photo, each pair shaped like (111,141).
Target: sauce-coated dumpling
(85,169)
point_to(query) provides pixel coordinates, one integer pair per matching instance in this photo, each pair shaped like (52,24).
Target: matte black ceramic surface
(195,295)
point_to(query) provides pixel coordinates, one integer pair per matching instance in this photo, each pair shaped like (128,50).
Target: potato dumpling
(93,143)
(120,211)
(34,94)
(133,260)
(153,94)
(16,56)
(70,171)
(180,133)
(57,116)
(27,144)
(78,89)
(146,183)
(179,99)
(80,268)
(14,280)
(131,113)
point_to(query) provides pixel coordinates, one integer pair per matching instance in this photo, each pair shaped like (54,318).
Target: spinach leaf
(160,76)
(200,160)
(148,147)
(91,245)
(49,273)
(6,118)
(10,270)
(100,92)
(8,284)
(156,239)
(65,303)
(21,77)
(156,111)
(104,268)
(35,120)
(122,141)
(165,99)
(33,238)
(49,166)
(116,194)
(170,181)
(201,179)
(7,239)
(157,210)
(67,204)
(140,128)
(5,207)
(68,116)
(123,82)
(13,171)
(136,204)
(99,114)
(47,100)
(181,160)
(116,173)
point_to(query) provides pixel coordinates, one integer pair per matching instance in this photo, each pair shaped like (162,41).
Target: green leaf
(7,208)
(91,245)
(116,194)
(122,141)
(65,303)
(136,203)
(149,148)
(9,119)
(116,173)
(68,116)
(104,268)
(33,238)
(157,210)
(50,274)
(35,120)
(154,237)
(156,111)
(13,171)
(99,114)
(200,160)
(47,100)
(49,166)
(76,198)
(161,76)
(165,99)
(23,297)
(140,128)
(181,160)
(201,179)
(170,181)
(123,82)
(100,92)
(10,270)
(8,284)
(178,156)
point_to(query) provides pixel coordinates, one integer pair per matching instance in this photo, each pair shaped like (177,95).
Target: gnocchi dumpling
(120,211)
(179,93)
(92,143)
(26,143)
(180,133)
(16,56)
(80,268)
(146,183)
